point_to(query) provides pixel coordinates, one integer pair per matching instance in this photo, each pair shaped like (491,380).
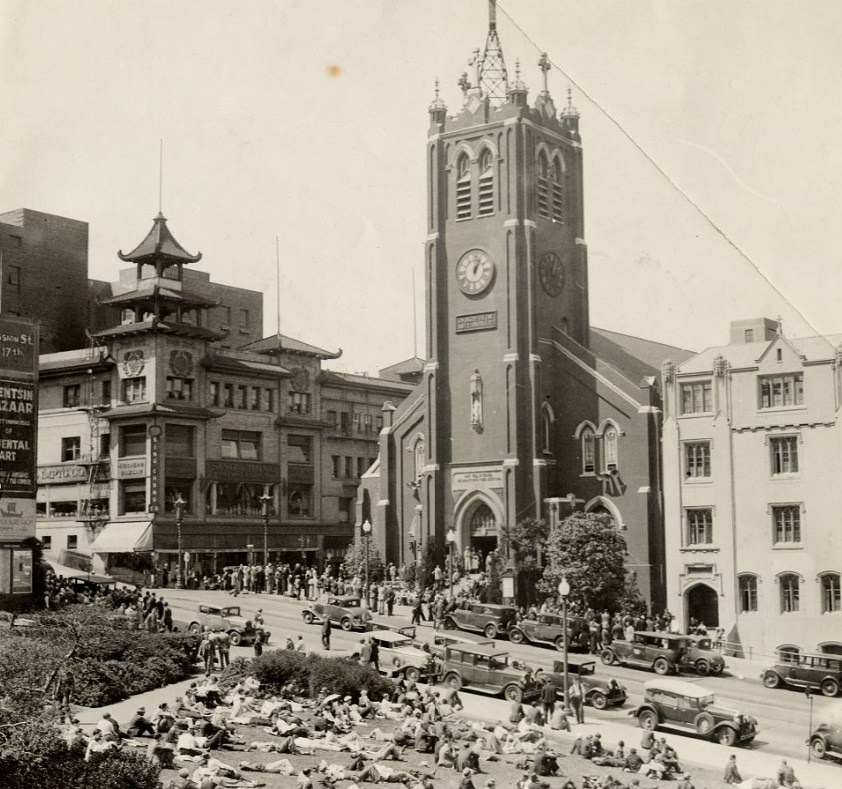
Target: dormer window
(486,183)
(463,187)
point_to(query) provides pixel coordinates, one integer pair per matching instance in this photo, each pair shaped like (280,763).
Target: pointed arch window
(831,593)
(483,522)
(790,593)
(588,450)
(548,419)
(463,187)
(610,448)
(543,185)
(419,456)
(486,183)
(556,193)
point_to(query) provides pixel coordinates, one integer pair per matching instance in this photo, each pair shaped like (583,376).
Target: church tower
(506,272)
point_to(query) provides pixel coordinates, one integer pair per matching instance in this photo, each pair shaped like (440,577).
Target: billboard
(18,433)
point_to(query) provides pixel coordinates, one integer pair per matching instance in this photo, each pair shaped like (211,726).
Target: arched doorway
(482,528)
(702,605)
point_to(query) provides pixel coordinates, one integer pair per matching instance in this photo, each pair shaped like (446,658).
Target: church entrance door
(702,605)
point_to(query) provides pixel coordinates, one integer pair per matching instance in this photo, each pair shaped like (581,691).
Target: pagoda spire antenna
(278,295)
(414,318)
(161,176)
(491,72)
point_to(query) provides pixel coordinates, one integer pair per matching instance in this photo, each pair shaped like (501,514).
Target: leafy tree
(354,563)
(426,565)
(590,552)
(524,542)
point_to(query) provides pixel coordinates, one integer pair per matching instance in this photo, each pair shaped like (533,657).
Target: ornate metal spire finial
(438,105)
(569,111)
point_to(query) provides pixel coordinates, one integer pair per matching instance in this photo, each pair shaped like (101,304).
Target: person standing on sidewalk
(577,700)
(205,653)
(548,694)
(326,633)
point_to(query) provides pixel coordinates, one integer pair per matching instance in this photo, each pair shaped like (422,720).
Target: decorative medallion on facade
(133,363)
(181,363)
(300,379)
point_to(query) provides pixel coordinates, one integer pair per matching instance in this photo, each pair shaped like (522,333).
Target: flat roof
(679,686)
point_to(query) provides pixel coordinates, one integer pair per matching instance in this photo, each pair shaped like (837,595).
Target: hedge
(307,674)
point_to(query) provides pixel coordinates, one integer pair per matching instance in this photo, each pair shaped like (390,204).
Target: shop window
(71,448)
(241,444)
(299,502)
(180,441)
(299,449)
(132,440)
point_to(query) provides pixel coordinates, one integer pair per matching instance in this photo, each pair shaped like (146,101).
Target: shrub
(308,674)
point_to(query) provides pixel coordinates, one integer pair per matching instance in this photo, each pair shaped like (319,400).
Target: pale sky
(739,103)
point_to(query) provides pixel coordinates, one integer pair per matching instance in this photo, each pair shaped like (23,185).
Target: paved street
(783,716)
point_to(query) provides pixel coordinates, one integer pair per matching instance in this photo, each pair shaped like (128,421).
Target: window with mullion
(699,526)
(787,521)
(784,454)
(697,459)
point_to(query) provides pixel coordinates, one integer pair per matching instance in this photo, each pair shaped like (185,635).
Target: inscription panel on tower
(477,321)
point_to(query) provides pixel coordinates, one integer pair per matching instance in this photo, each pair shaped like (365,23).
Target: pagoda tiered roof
(159,246)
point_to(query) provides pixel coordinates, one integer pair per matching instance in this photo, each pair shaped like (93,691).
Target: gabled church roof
(160,245)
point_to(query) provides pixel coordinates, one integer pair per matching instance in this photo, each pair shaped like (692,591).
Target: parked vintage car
(599,693)
(400,656)
(347,612)
(240,629)
(816,672)
(826,740)
(686,706)
(490,620)
(702,657)
(488,670)
(661,652)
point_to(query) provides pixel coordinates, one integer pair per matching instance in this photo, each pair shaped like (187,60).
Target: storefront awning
(124,537)
(72,572)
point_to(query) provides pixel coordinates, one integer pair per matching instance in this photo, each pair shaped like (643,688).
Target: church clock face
(474,272)
(551,273)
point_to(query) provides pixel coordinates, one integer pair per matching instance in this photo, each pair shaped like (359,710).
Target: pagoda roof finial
(569,111)
(159,246)
(438,105)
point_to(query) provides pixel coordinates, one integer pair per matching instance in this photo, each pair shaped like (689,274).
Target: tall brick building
(44,275)
(521,402)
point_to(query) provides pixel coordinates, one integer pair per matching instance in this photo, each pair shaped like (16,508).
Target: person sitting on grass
(139,725)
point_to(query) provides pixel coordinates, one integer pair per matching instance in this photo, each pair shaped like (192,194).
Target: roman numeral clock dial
(551,273)
(474,272)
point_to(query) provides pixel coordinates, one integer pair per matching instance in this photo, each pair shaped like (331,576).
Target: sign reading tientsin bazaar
(477,321)
(18,450)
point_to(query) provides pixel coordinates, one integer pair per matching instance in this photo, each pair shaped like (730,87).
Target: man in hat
(326,633)
(139,726)
(732,774)
(466,782)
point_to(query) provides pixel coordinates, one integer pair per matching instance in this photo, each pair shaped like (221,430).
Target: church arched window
(463,187)
(588,437)
(548,419)
(486,183)
(419,457)
(543,185)
(556,193)
(610,450)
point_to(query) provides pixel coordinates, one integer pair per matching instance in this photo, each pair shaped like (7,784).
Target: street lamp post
(366,537)
(179,517)
(451,540)
(264,511)
(563,591)
(809,695)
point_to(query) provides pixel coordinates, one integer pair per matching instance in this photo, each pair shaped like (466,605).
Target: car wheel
(490,631)
(830,687)
(345,623)
(195,628)
(608,657)
(236,638)
(513,693)
(598,701)
(647,720)
(308,617)
(516,636)
(702,666)
(661,666)
(726,736)
(771,680)
(454,680)
(704,723)
(818,748)
(717,668)
(559,643)
(412,674)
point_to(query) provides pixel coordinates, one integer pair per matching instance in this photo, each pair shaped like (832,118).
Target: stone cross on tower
(544,65)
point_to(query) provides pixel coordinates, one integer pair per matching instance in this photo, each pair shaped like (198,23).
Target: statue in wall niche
(476,401)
